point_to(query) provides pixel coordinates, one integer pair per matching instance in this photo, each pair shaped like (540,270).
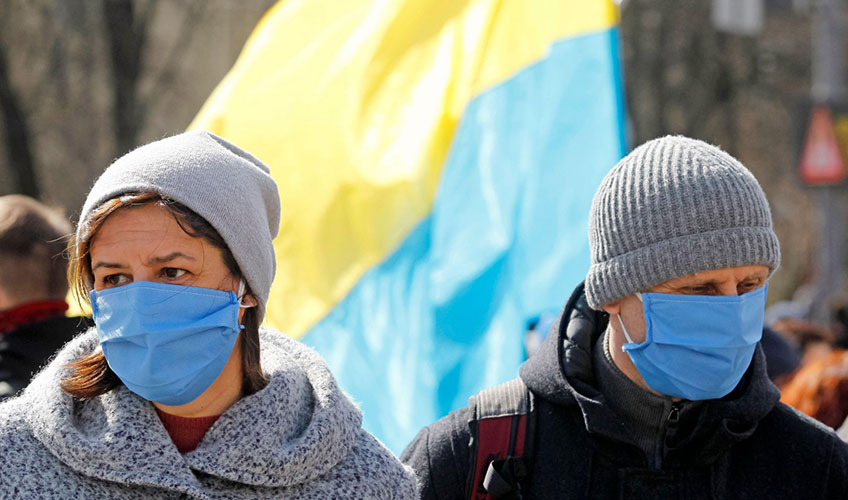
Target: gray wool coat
(299,437)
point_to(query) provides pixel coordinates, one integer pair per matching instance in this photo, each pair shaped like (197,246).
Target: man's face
(726,281)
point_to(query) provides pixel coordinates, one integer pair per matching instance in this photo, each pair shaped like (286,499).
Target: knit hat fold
(672,207)
(227,186)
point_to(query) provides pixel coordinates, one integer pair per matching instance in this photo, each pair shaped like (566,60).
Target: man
(33,286)
(652,384)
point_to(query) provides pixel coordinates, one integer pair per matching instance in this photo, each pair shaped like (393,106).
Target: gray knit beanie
(675,206)
(222,183)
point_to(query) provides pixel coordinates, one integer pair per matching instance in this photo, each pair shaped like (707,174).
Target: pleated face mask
(167,343)
(697,346)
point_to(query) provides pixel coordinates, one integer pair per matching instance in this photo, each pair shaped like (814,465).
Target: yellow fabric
(353,105)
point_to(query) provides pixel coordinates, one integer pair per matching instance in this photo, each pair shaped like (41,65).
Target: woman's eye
(173,272)
(115,280)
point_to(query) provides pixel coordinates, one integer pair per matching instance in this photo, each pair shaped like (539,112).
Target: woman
(170,396)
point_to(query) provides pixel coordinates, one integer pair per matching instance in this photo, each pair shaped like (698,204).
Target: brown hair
(32,244)
(91,376)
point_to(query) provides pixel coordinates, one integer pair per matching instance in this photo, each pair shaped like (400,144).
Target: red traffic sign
(821,158)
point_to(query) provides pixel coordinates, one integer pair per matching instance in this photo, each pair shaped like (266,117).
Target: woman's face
(145,243)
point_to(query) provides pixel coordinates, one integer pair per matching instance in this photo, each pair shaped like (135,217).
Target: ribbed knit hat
(227,186)
(675,206)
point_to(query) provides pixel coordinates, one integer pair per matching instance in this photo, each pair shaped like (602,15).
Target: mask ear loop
(240,295)
(624,328)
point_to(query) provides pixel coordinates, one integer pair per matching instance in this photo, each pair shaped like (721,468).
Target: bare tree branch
(166,75)
(126,35)
(17,134)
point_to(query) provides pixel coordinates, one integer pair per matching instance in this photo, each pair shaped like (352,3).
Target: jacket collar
(562,373)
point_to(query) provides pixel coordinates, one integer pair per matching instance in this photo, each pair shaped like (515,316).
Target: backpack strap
(501,441)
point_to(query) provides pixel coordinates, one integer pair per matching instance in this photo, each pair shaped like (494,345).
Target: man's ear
(613,307)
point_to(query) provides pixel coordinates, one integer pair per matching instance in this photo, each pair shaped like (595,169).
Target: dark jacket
(27,348)
(745,445)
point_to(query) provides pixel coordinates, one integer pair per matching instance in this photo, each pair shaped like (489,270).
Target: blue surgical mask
(167,343)
(697,346)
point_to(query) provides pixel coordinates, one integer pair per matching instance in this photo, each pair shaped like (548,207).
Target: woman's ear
(249,300)
(245,299)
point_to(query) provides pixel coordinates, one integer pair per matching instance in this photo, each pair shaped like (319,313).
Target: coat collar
(562,373)
(295,429)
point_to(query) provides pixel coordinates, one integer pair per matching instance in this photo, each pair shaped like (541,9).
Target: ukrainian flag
(436,162)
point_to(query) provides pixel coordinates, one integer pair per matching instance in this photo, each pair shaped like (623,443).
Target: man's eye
(173,272)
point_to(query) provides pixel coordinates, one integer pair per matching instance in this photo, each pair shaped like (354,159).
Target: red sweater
(186,432)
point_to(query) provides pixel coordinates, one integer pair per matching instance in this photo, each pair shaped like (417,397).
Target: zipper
(671,427)
(669,438)
(673,415)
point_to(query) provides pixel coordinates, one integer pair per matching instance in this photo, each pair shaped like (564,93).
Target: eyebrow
(153,260)
(168,258)
(752,276)
(110,265)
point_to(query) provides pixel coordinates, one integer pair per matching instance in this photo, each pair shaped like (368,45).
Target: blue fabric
(445,314)
(698,346)
(167,343)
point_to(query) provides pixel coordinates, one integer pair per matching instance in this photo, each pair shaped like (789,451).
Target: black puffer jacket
(27,348)
(746,445)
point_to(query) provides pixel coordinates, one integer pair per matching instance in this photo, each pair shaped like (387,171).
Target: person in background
(820,388)
(840,327)
(177,392)
(652,383)
(33,287)
(782,356)
(812,339)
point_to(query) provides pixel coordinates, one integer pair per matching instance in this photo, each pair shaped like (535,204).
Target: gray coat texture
(299,437)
